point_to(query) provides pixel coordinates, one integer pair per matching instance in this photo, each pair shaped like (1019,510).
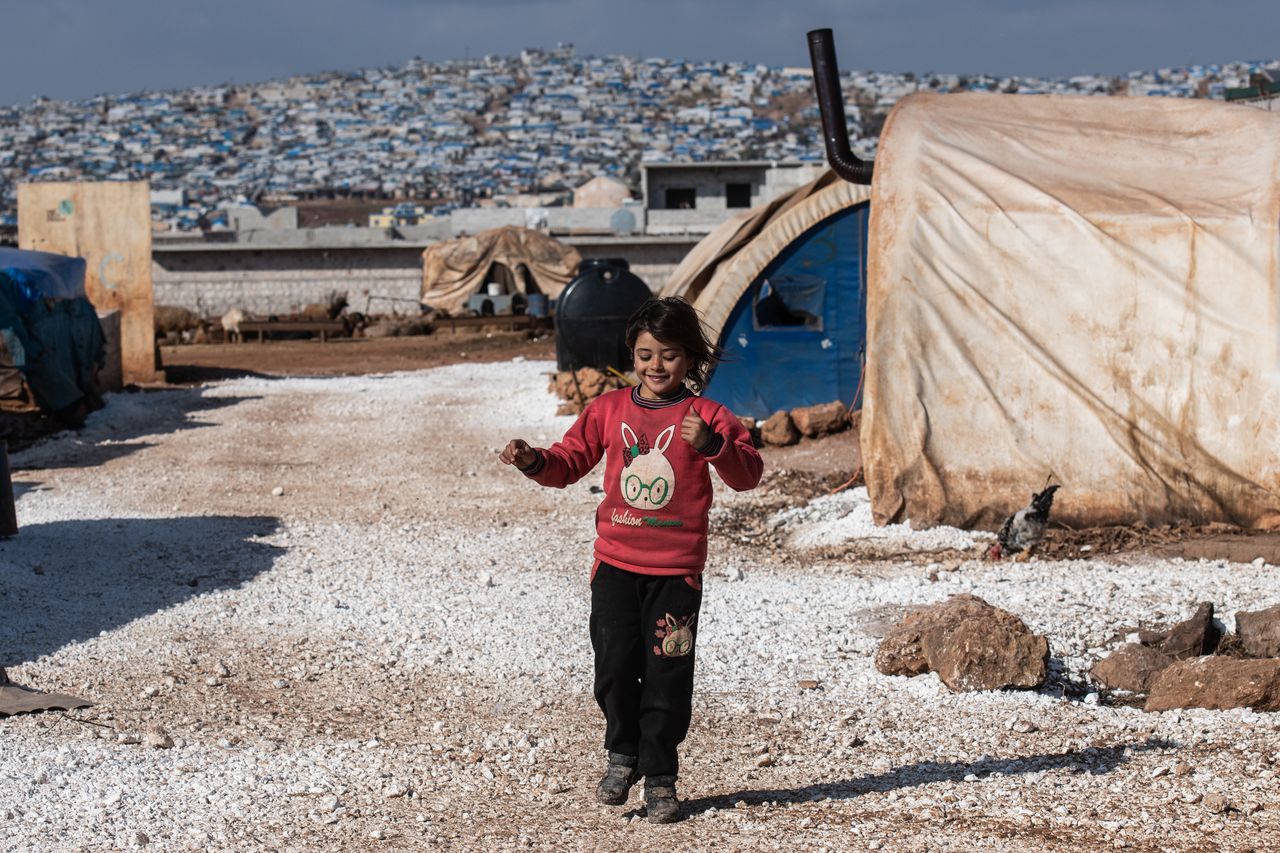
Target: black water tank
(592,314)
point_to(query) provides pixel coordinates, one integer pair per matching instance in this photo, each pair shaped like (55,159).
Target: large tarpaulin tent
(49,333)
(782,289)
(1078,288)
(523,260)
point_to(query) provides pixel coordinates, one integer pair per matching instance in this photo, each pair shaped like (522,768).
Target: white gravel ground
(390,652)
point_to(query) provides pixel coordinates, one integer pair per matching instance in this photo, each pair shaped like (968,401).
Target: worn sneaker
(660,799)
(618,778)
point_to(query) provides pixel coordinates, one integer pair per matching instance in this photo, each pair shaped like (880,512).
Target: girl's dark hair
(674,322)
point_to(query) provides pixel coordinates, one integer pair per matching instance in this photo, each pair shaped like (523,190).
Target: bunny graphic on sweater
(648,481)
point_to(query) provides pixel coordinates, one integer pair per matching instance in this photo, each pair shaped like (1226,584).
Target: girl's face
(661,367)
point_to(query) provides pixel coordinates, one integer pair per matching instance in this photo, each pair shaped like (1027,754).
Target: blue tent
(784,290)
(49,330)
(43,274)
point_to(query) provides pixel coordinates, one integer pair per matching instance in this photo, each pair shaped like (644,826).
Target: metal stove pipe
(826,79)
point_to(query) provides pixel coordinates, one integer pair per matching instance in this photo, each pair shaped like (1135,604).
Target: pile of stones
(782,429)
(1196,664)
(579,387)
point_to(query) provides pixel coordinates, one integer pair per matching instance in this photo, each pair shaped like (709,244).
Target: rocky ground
(317,614)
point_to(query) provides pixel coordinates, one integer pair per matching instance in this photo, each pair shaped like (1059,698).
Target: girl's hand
(695,430)
(518,453)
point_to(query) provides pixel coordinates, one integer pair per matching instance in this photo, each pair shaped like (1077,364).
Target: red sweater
(657,488)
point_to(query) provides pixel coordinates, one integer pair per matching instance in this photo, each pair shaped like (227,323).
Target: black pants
(643,631)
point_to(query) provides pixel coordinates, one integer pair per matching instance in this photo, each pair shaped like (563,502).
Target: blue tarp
(797,336)
(51,330)
(44,274)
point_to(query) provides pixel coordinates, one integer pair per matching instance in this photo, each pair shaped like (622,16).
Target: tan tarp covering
(528,261)
(1077,287)
(717,271)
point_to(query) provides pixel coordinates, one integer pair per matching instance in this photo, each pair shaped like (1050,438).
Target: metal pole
(8,512)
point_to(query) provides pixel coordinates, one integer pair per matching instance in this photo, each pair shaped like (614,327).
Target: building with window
(683,198)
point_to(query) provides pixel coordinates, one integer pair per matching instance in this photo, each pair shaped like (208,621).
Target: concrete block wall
(212,280)
(474,220)
(683,221)
(282,282)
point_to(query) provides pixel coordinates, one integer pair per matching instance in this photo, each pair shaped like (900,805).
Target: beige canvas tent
(522,260)
(1077,288)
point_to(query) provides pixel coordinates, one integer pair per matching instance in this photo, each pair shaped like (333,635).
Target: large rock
(969,643)
(900,652)
(1259,632)
(1131,667)
(1217,683)
(986,653)
(824,419)
(1190,638)
(779,430)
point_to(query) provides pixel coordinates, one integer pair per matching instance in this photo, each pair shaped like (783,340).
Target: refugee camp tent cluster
(1061,288)
(1077,289)
(782,289)
(517,261)
(50,338)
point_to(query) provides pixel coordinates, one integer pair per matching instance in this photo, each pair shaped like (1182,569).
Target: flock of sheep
(175,324)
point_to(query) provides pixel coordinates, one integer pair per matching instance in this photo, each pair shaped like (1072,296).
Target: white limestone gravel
(846,517)
(391,653)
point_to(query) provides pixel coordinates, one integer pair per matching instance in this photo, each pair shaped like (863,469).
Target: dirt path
(390,652)
(196,363)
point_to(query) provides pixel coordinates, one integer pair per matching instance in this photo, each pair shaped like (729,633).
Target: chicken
(1022,531)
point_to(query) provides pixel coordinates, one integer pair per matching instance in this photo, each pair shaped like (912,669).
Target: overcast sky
(79,48)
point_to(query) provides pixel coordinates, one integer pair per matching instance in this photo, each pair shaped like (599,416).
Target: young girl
(651,539)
